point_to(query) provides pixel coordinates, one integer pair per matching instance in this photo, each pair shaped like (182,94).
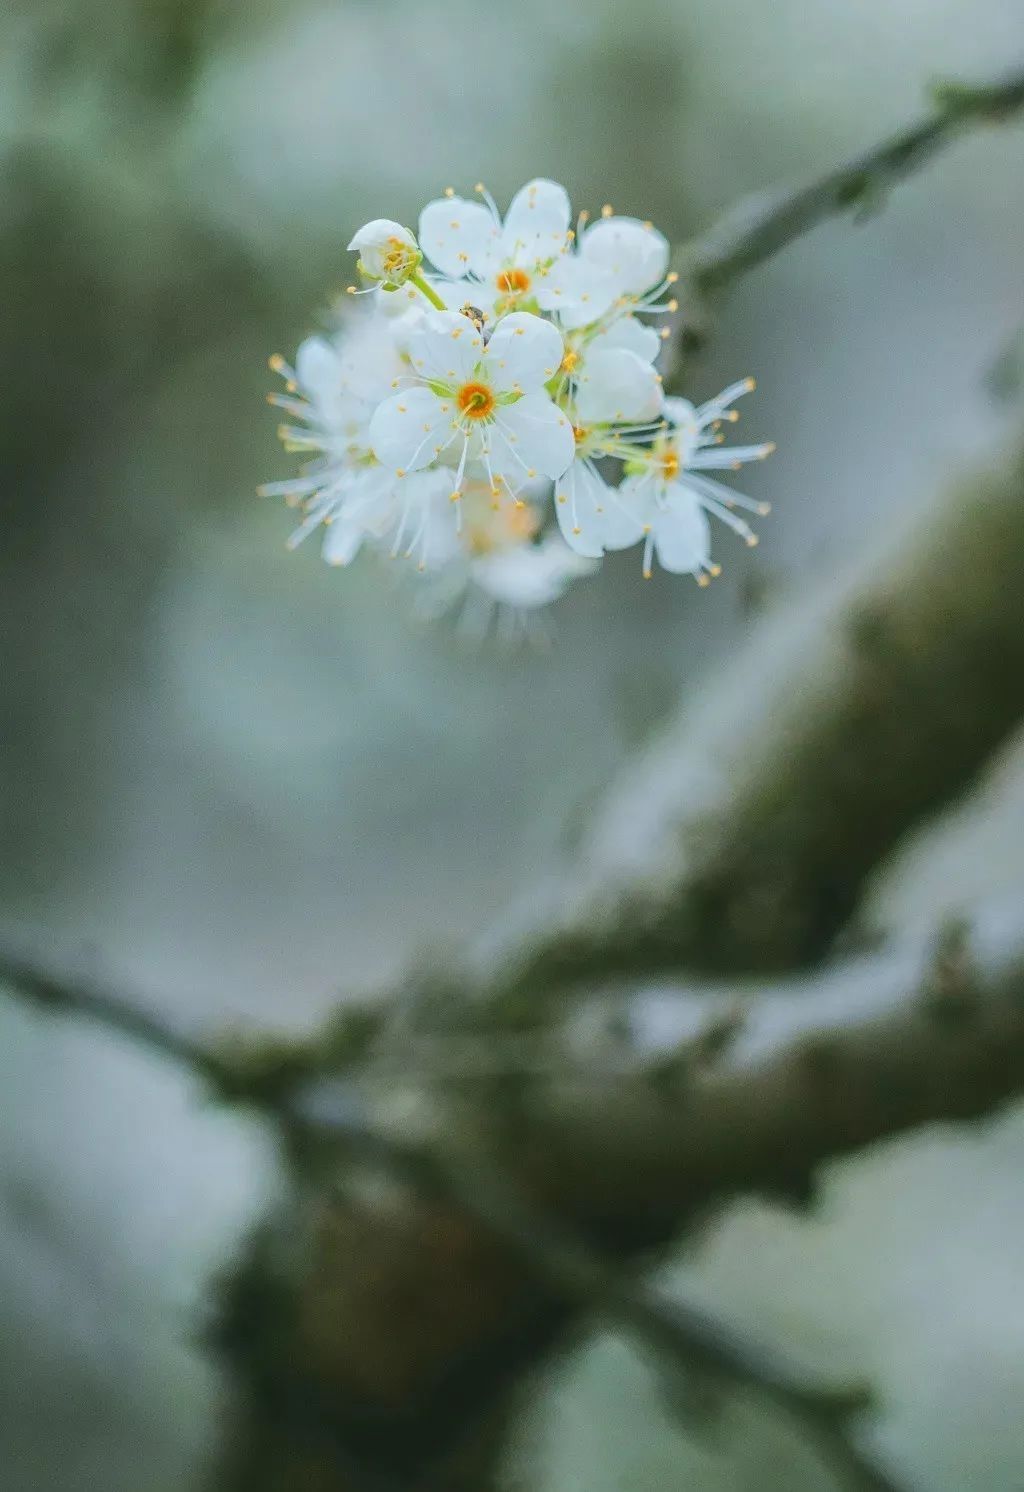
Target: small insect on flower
(502,421)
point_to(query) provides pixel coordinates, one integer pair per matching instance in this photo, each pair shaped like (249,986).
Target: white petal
(626,514)
(407,429)
(632,335)
(680,412)
(537,220)
(458,236)
(686,434)
(343,539)
(379,232)
(372,501)
(682,537)
(445,347)
(535,437)
(529,575)
(634,255)
(637,497)
(386,249)
(524,352)
(317,366)
(580,501)
(617,387)
(580,292)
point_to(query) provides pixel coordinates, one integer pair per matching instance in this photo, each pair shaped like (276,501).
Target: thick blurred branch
(617,1157)
(686,1338)
(743,838)
(760,227)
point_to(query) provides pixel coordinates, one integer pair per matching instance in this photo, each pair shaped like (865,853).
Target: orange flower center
(513,281)
(475,400)
(499,526)
(670,465)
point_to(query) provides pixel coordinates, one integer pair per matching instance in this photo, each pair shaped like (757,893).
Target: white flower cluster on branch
(493,410)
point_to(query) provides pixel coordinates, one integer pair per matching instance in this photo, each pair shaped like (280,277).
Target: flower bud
(387,252)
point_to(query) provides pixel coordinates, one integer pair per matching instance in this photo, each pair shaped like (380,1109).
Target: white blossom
(668,497)
(470,399)
(497,413)
(388,252)
(505,264)
(334,388)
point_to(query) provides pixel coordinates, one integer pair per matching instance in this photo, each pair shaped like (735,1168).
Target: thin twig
(760,227)
(72,995)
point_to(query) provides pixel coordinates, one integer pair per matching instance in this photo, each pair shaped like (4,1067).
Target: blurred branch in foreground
(619,1159)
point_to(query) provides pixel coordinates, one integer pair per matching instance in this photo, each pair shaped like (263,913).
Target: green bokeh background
(242,782)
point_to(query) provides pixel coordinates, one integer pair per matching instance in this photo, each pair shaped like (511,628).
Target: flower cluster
(493,409)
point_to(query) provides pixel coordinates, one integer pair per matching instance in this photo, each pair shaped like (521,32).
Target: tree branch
(73,995)
(760,227)
(742,837)
(610,1161)
(686,1336)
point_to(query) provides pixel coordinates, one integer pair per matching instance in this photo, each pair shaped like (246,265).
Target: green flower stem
(428,290)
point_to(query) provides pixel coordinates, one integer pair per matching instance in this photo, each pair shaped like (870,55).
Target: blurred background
(242,783)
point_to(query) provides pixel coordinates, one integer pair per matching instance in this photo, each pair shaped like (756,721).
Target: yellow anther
(607,210)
